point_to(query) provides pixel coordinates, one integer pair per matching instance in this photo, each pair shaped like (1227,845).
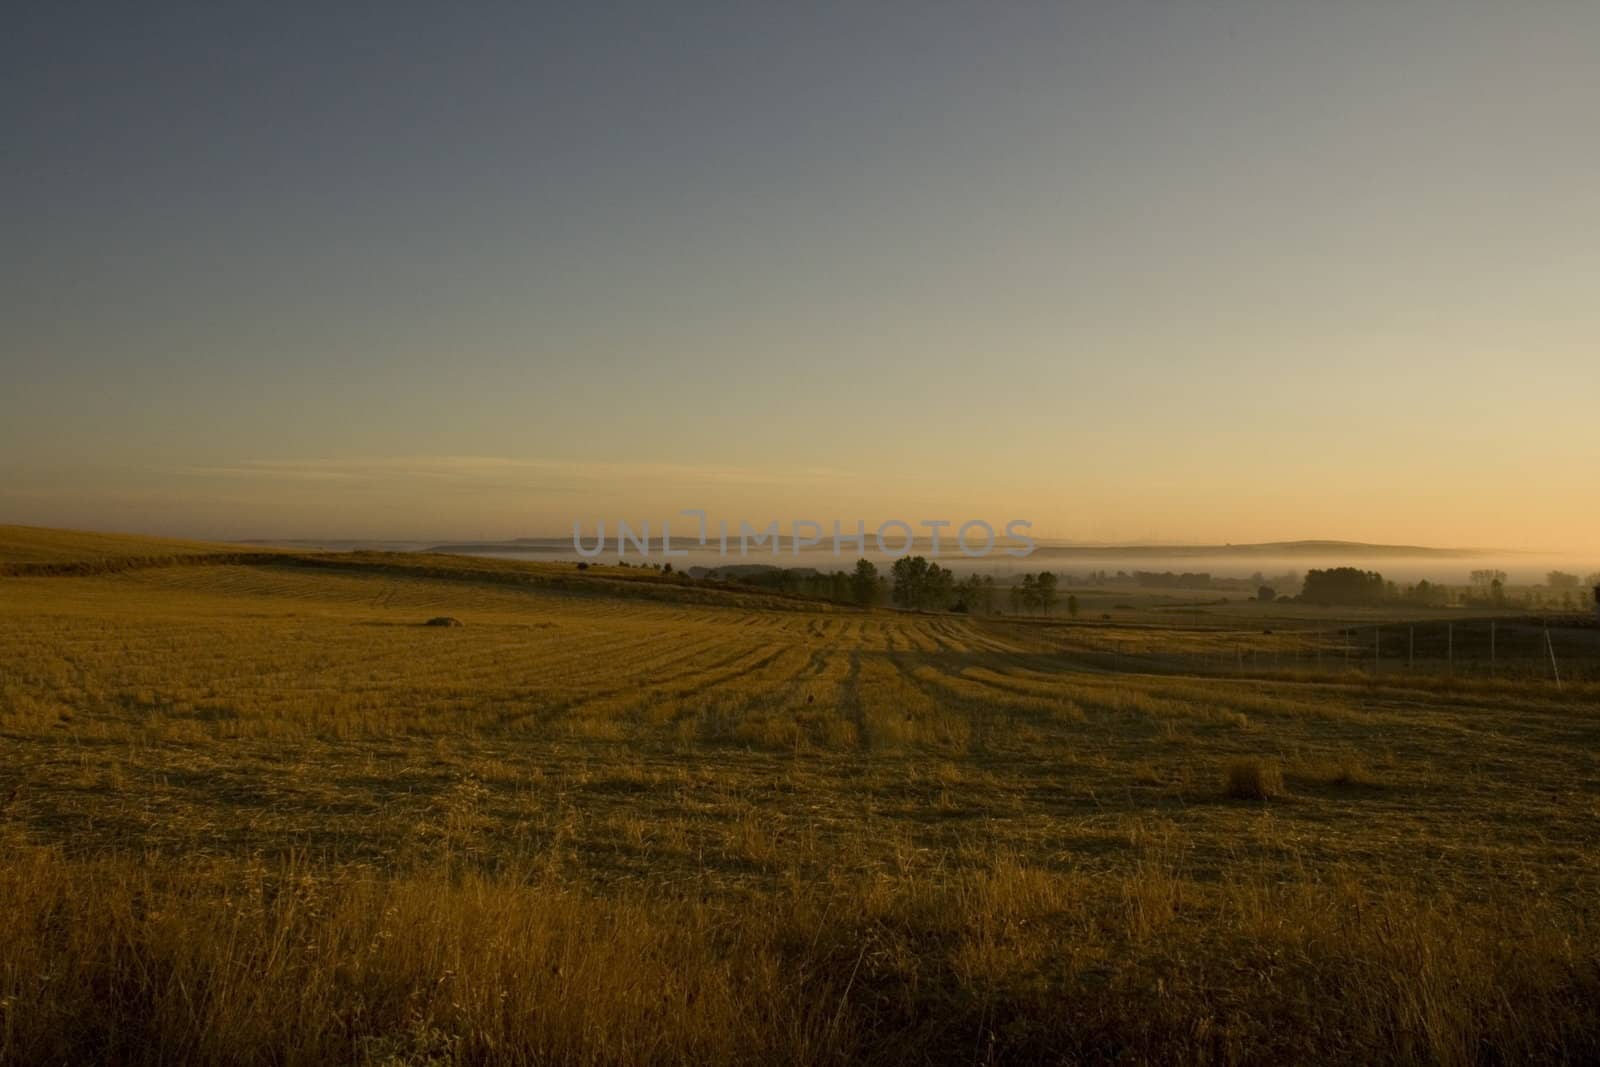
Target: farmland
(257,812)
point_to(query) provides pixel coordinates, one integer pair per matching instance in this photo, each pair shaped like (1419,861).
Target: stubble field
(255,812)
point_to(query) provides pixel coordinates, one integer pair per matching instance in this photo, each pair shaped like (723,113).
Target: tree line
(912,582)
(1351,586)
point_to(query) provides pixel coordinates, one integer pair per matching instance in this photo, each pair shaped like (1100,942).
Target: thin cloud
(488,471)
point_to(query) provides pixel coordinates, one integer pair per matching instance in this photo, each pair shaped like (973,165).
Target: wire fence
(1531,649)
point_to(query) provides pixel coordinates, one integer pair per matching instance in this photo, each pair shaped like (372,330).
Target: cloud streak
(487,472)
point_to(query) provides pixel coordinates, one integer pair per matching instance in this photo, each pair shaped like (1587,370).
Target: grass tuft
(1253,778)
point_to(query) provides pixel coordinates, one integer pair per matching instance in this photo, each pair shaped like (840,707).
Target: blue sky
(1221,272)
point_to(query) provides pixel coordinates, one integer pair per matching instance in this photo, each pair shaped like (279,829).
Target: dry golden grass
(37,544)
(240,961)
(262,814)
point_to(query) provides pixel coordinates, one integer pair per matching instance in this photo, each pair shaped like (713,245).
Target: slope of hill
(33,552)
(39,544)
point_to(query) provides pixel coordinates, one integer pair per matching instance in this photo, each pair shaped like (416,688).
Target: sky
(1166,272)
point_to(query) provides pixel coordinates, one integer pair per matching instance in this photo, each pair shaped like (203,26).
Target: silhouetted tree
(1485,579)
(920,584)
(1343,585)
(974,594)
(1047,591)
(1428,594)
(1029,592)
(940,588)
(905,580)
(864,582)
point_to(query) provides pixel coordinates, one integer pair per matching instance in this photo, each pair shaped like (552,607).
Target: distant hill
(38,544)
(35,552)
(562,546)
(522,545)
(1269,550)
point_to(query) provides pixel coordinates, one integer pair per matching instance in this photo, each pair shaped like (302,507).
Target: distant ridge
(42,544)
(1049,549)
(1276,549)
(552,545)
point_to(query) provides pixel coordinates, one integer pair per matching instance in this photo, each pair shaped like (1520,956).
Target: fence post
(1551,648)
